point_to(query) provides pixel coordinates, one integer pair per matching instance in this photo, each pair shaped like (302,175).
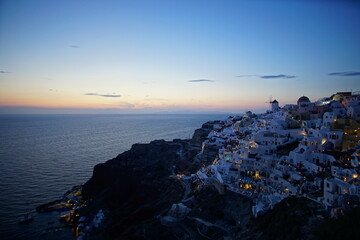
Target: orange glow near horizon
(78,100)
(55,105)
(82,102)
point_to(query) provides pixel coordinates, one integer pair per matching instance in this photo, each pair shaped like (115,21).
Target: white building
(333,188)
(353,112)
(275,106)
(328,119)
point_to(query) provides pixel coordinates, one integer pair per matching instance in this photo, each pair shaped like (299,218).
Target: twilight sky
(174,56)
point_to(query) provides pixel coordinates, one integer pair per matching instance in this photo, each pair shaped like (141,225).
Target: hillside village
(211,186)
(310,149)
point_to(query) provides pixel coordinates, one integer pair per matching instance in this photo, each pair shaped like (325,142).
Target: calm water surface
(43,156)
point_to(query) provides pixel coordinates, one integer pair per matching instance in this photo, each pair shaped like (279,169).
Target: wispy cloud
(279,76)
(4,72)
(201,80)
(74,46)
(110,95)
(283,76)
(103,95)
(345,74)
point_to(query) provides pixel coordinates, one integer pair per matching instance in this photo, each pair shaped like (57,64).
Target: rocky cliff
(156,159)
(144,196)
(136,187)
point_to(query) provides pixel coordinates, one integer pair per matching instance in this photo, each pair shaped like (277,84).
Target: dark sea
(43,156)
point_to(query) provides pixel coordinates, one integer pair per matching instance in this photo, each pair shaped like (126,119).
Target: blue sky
(141,56)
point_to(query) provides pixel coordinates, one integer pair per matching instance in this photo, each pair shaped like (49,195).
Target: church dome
(303,99)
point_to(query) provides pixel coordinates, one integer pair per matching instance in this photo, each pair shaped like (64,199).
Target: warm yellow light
(355,175)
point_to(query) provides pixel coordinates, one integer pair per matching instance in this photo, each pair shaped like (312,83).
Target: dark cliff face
(201,134)
(143,161)
(135,186)
(158,158)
